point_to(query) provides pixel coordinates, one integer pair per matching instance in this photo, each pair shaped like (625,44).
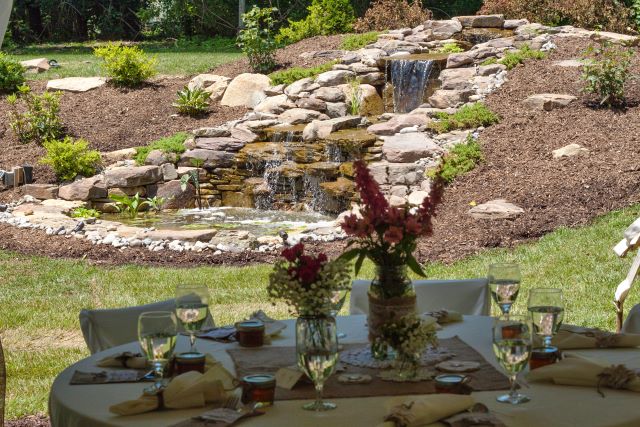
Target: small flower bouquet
(307,283)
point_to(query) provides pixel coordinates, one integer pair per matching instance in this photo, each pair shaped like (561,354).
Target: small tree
(606,71)
(257,39)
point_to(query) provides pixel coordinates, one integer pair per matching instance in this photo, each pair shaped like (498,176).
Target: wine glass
(317,354)
(157,334)
(512,347)
(336,303)
(546,306)
(504,283)
(192,307)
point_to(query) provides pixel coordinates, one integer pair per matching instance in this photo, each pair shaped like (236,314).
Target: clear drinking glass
(546,306)
(512,347)
(337,302)
(504,283)
(192,307)
(157,332)
(317,353)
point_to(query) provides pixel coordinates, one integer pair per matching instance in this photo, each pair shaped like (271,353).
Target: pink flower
(393,235)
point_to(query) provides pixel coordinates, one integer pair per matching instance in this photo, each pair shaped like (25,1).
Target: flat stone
(175,197)
(312,104)
(341,188)
(158,157)
(481,21)
(220,144)
(622,39)
(118,155)
(570,151)
(184,235)
(244,134)
(449,98)
(274,104)
(512,24)
(320,129)
(275,90)
(416,197)
(303,85)
(169,172)
(329,94)
(84,189)
(128,191)
(246,90)
(218,89)
(569,63)
(496,209)
(402,173)
(132,176)
(406,148)
(336,109)
(335,77)
(62,205)
(443,29)
(548,101)
(397,123)
(38,65)
(76,84)
(204,81)
(211,158)
(41,191)
(297,116)
(212,131)
(375,78)
(488,70)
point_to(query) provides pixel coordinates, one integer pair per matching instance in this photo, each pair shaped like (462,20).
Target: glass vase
(406,365)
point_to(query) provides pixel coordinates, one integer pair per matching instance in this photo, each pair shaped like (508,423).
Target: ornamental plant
(192,102)
(70,158)
(410,335)
(387,235)
(11,74)
(325,17)
(126,65)
(257,39)
(33,117)
(307,283)
(605,72)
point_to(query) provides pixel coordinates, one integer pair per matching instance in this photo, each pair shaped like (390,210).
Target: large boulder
(320,129)
(407,148)
(442,30)
(246,90)
(84,189)
(548,101)
(76,84)
(211,158)
(481,21)
(372,57)
(175,197)
(335,77)
(132,176)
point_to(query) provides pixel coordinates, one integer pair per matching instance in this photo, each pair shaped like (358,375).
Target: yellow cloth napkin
(423,410)
(582,371)
(444,316)
(571,336)
(126,359)
(189,390)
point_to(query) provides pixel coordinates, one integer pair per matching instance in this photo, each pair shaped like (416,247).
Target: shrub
(450,48)
(489,61)
(129,206)
(257,39)
(461,159)
(11,74)
(126,65)
(325,17)
(171,144)
(192,102)
(469,116)
(84,213)
(385,14)
(70,158)
(606,71)
(291,75)
(358,41)
(610,15)
(514,58)
(35,117)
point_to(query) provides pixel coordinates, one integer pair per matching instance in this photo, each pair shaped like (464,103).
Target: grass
(293,74)
(173,144)
(179,58)
(41,297)
(467,117)
(461,159)
(514,58)
(357,41)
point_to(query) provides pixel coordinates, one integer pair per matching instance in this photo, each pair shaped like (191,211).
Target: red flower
(370,193)
(350,224)
(292,253)
(393,235)
(413,226)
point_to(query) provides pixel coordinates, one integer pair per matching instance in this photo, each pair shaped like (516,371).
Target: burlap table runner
(270,359)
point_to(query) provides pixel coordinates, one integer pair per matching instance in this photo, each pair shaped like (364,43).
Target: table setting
(394,367)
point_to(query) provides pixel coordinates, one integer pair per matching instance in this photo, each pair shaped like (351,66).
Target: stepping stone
(76,84)
(548,101)
(569,63)
(569,151)
(38,65)
(615,38)
(496,209)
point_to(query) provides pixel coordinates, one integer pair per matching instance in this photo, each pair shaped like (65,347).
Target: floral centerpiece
(387,235)
(307,283)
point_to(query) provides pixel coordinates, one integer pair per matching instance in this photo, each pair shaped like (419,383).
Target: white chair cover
(469,296)
(632,323)
(103,329)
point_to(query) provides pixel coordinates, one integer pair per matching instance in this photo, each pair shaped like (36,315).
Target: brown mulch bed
(29,421)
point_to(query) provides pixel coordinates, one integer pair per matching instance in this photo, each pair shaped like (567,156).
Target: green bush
(192,102)
(514,58)
(126,65)
(358,41)
(469,116)
(291,75)
(606,71)
(450,48)
(325,17)
(173,144)
(257,39)
(130,206)
(355,97)
(490,61)
(35,117)
(70,158)
(461,159)
(11,74)
(84,213)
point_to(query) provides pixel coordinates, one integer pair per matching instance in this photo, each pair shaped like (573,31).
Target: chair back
(631,324)
(106,328)
(3,384)
(468,296)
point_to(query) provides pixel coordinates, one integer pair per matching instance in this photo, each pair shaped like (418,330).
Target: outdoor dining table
(550,405)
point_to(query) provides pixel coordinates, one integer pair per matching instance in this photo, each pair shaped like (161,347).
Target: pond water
(257,222)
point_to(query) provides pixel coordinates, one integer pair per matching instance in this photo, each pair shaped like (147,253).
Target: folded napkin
(126,359)
(443,316)
(582,371)
(425,410)
(571,336)
(189,390)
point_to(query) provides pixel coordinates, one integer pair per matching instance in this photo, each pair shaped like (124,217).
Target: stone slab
(76,84)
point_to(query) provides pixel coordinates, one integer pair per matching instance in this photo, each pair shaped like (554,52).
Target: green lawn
(41,297)
(180,58)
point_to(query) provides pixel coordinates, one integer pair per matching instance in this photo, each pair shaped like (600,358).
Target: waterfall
(409,79)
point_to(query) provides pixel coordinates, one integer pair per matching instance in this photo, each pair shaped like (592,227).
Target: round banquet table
(550,405)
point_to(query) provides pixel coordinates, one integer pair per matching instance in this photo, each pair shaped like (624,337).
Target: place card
(106,377)
(288,377)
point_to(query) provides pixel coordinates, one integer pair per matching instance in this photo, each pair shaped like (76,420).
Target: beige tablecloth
(87,405)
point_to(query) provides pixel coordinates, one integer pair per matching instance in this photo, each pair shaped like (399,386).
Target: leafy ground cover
(41,297)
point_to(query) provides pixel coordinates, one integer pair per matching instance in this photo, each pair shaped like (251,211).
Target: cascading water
(409,79)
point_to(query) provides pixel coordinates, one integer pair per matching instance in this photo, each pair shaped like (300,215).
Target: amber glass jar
(187,362)
(259,388)
(542,357)
(451,383)
(250,333)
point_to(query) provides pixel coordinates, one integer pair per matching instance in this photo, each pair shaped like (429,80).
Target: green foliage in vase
(192,102)
(35,118)
(129,206)
(605,72)
(70,158)
(173,144)
(467,117)
(358,41)
(11,74)
(126,65)
(83,212)
(293,74)
(325,17)
(257,39)
(461,159)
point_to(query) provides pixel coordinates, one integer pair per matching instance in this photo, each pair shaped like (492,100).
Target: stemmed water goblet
(512,347)
(504,283)
(157,332)
(546,307)
(192,308)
